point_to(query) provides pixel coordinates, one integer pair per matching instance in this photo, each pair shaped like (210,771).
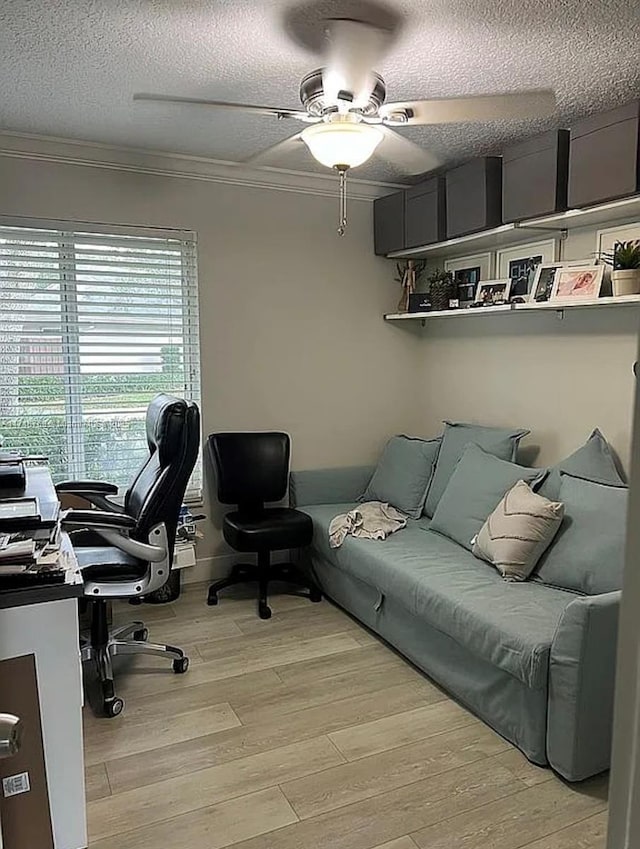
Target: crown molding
(164,164)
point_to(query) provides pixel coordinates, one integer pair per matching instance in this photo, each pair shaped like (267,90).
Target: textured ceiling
(69,68)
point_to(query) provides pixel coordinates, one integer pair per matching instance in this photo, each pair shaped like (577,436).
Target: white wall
(558,377)
(291,329)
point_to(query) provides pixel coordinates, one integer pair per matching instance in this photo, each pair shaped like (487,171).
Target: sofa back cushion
(498,441)
(403,474)
(518,532)
(587,555)
(478,483)
(593,461)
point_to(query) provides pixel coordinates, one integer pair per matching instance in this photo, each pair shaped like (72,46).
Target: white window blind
(92,326)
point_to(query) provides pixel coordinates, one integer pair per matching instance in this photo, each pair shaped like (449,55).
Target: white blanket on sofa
(370,520)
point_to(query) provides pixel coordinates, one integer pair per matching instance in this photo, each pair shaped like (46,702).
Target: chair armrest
(96,519)
(581,686)
(328,486)
(86,487)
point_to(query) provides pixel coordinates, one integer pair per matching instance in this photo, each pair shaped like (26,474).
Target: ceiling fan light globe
(342,144)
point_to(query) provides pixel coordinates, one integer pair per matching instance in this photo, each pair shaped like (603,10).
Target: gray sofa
(536,663)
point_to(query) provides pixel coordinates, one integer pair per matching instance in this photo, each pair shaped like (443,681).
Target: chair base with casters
(127,569)
(102,645)
(262,573)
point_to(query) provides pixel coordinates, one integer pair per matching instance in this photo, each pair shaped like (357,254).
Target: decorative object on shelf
(468,271)
(625,262)
(408,275)
(607,238)
(519,264)
(543,282)
(441,289)
(493,292)
(578,281)
(419,302)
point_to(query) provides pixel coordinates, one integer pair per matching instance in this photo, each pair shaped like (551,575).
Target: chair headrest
(165,426)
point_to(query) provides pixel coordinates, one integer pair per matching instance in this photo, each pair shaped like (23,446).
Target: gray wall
(560,378)
(291,329)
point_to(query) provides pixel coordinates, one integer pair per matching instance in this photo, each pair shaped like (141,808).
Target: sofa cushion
(403,474)
(588,553)
(499,441)
(593,461)
(478,483)
(510,625)
(518,532)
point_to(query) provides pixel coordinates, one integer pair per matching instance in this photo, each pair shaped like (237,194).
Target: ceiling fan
(349,120)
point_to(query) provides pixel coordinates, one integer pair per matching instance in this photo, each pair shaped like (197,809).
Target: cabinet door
(388,223)
(424,213)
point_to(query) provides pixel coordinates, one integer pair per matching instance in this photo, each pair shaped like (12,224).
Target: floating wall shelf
(606,214)
(482,312)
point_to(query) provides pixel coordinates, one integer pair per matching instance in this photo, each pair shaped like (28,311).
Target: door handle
(10,734)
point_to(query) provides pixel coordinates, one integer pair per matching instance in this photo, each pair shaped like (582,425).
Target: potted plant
(440,289)
(625,260)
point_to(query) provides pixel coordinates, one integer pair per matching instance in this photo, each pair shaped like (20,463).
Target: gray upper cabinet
(474,196)
(603,156)
(388,223)
(534,177)
(424,213)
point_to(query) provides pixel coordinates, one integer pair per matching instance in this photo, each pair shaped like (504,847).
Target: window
(92,326)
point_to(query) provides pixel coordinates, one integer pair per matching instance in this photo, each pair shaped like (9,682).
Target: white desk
(43,621)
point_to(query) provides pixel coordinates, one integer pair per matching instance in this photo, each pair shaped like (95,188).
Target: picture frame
(491,292)
(467,272)
(607,239)
(544,281)
(519,264)
(574,282)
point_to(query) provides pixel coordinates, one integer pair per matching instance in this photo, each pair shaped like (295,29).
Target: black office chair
(253,468)
(126,551)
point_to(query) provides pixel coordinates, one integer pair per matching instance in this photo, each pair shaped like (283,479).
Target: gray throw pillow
(518,532)
(477,485)
(499,441)
(403,474)
(588,553)
(593,461)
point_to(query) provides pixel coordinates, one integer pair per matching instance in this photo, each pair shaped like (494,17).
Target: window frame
(65,233)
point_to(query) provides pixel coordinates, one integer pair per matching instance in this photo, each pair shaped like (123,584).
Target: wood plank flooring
(306,732)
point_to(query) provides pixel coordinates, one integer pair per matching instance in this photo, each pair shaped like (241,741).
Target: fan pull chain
(342,191)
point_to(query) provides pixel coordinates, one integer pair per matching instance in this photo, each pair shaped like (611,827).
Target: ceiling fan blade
(491,107)
(353,50)
(405,154)
(223,104)
(274,154)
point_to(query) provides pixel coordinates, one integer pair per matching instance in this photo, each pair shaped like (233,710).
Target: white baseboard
(212,568)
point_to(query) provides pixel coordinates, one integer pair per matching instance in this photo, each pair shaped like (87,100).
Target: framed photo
(577,281)
(490,292)
(608,239)
(519,264)
(467,272)
(543,281)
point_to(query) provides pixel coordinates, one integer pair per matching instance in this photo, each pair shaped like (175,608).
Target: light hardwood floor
(306,732)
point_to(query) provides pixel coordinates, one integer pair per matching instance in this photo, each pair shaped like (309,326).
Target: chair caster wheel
(141,636)
(180,665)
(264,611)
(113,707)
(212,599)
(315,595)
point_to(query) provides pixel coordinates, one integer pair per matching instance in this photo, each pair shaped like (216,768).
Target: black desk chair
(127,551)
(253,468)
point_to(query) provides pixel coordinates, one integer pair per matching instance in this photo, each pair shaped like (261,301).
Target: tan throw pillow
(518,532)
